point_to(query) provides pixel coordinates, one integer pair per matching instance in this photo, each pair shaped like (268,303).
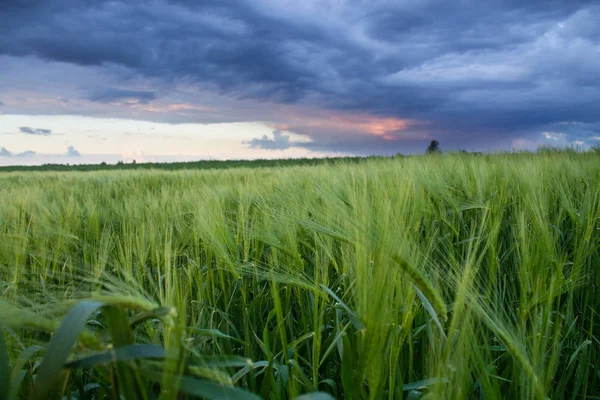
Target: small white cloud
(137,156)
(71,152)
(279,142)
(553,135)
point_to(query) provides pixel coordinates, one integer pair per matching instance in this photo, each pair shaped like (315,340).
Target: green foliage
(4,368)
(119,372)
(195,165)
(461,276)
(433,148)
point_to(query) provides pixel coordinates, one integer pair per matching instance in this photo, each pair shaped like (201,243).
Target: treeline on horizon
(265,163)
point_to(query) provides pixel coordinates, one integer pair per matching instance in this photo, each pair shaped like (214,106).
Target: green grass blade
(423,384)
(242,372)
(315,396)
(213,391)
(579,349)
(4,368)
(20,377)
(333,344)
(424,286)
(118,326)
(24,356)
(414,395)
(120,354)
(358,324)
(130,384)
(205,389)
(430,309)
(219,361)
(159,313)
(50,374)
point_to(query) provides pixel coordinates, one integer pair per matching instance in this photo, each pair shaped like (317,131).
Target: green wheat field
(436,277)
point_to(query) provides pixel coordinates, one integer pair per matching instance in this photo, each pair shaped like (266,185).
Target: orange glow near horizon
(380,127)
(376,126)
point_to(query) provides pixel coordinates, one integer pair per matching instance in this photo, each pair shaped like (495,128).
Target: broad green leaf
(578,350)
(423,384)
(427,305)
(355,320)
(348,369)
(24,356)
(414,395)
(259,364)
(424,286)
(159,312)
(334,343)
(50,374)
(20,377)
(215,333)
(220,361)
(268,381)
(205,389)
(119,354)
(4,368)
(315,396)
(128,379)
(118,326)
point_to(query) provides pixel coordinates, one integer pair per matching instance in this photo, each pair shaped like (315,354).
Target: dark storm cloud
(478,73)
(35,131)
(108,95)
(279,142)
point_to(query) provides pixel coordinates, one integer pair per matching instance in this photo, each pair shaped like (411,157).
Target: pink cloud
(157,108)
(309,121)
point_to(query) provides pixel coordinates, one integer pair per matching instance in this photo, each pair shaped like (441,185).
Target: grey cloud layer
(71,152)
(279,142)
(108,95)
(5,153)
(35,131)
(478,73)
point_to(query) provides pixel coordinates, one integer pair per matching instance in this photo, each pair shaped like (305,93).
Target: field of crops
(446,276)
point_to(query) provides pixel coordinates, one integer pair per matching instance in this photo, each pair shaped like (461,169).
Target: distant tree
(133,162)
(119,162)
(434,147)
(103,163)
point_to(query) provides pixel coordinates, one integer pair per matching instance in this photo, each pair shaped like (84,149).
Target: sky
(179,80)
